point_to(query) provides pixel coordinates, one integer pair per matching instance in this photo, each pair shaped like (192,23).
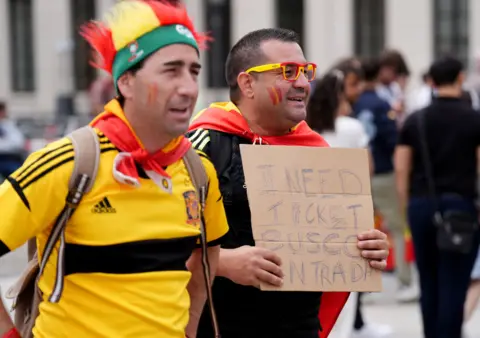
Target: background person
(12,143)
(452,134)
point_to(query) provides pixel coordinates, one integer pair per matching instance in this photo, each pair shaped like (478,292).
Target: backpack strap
(196,170)
(87,156)
(86,148)
(199,178)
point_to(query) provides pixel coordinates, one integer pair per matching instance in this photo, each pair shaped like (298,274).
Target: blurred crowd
(423,145)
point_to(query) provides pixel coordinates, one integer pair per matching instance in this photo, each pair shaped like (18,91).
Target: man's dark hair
(370,68)
(403,69)
(324,102)
(246,53)
(3,107)
(348,66)
(394,59)
(133,70)
(445,71)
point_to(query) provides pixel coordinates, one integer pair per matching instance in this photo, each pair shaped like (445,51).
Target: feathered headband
(135,29)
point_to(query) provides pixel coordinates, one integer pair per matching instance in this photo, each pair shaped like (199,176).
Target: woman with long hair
(328,113)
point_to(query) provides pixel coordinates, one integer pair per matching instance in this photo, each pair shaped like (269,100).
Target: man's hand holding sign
(312,220)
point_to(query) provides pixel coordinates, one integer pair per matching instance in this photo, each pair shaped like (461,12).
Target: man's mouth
(179,110)
(296,99)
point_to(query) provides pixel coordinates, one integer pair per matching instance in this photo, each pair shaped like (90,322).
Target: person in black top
(452,134)
(269,82)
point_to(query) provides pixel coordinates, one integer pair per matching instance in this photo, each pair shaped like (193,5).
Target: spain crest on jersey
(192,208)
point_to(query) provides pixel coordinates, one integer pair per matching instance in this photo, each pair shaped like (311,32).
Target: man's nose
(302,81)
(188,87)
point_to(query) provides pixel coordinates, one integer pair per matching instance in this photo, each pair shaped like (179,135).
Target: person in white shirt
(422,96)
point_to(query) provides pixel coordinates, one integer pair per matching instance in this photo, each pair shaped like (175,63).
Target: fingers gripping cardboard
(308,205)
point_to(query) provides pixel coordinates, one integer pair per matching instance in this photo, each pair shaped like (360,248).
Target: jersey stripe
(19,192)
(142,256)
(205,141)
(41,172)
(196,141)
(195,134)
(56,163)
(103,139)
(44,159)
(49,157)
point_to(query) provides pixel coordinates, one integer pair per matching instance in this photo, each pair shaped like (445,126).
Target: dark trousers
(359,323)
(444,276)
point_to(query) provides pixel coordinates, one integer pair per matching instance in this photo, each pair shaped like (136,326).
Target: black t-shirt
(244,311)
(453,135)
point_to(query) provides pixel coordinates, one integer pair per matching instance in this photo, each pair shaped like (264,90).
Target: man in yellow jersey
(133,235)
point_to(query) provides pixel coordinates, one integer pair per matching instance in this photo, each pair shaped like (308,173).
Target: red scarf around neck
(232,122)
(117,129)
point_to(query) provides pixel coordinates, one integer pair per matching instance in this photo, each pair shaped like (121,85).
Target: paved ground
(404,319)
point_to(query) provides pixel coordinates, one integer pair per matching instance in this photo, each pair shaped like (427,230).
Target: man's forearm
(6,323)
(197,288)
(222,270)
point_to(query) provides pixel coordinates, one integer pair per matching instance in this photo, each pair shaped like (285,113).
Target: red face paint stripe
(152,93)
(273,96)
(276,96)
(279,93)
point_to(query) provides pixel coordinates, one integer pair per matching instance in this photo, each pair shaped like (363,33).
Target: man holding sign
(269,87)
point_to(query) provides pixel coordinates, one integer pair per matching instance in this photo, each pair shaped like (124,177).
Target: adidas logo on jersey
(104,207)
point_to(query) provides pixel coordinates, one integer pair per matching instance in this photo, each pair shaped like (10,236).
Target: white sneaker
(408,294)
(373,331)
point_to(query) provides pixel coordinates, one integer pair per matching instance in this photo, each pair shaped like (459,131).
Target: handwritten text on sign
(308,205)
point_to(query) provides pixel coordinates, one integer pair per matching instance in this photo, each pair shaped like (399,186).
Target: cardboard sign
(308,205)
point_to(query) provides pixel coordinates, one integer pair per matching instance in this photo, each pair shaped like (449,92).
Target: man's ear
(125,85)
(245,83)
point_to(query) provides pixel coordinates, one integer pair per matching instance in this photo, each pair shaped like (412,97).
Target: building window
(369,27)
(289,14)
(217,19)
(82,11)
(21,46)
(451,28)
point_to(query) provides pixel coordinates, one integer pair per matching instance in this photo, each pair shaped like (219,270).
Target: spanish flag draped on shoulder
(226,117)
